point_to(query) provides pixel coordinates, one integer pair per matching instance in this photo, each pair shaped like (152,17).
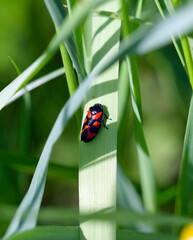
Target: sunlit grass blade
(139,8)
(97,174)
(79,13)
(185,190)
(58,14)
(37,83)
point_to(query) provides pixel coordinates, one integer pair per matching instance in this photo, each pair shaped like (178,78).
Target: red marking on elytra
(97,115)
(85,120)
(86,127)
(90,135)
(97,124)
(89,113)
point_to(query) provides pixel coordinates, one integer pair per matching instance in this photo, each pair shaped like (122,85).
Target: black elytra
(93,122)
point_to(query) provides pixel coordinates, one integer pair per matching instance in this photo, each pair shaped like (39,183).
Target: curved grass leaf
(58,14)
(37,83)
(176,43)
(78,14)
(185,190)
(15,66)
(142,42)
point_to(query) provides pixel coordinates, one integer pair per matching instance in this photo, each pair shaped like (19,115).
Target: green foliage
(88,35)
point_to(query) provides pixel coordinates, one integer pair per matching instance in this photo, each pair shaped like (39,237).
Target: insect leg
(106,116)
(103,120)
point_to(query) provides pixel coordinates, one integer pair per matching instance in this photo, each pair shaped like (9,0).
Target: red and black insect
(92,123)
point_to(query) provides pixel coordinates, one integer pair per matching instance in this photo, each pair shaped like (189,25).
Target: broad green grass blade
(157,35)
(37,83)
(58,14)
(71,233)
(97,174)
(79,13)
(49,233)
(185,189)
(26,164)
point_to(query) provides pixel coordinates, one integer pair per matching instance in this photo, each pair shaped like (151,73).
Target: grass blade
(97,174)
(78,30)
(175,42)
(147,177)
(58,14)
(185,46)
(37,83)
(128,198)
(131,235)
(124,218)
(49,233)
(71,233)
(185,191)
(142,41)
(79,13)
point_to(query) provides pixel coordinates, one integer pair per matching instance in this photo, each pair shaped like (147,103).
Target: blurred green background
(25,31)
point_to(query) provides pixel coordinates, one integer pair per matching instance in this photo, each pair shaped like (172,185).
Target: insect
(92,123)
